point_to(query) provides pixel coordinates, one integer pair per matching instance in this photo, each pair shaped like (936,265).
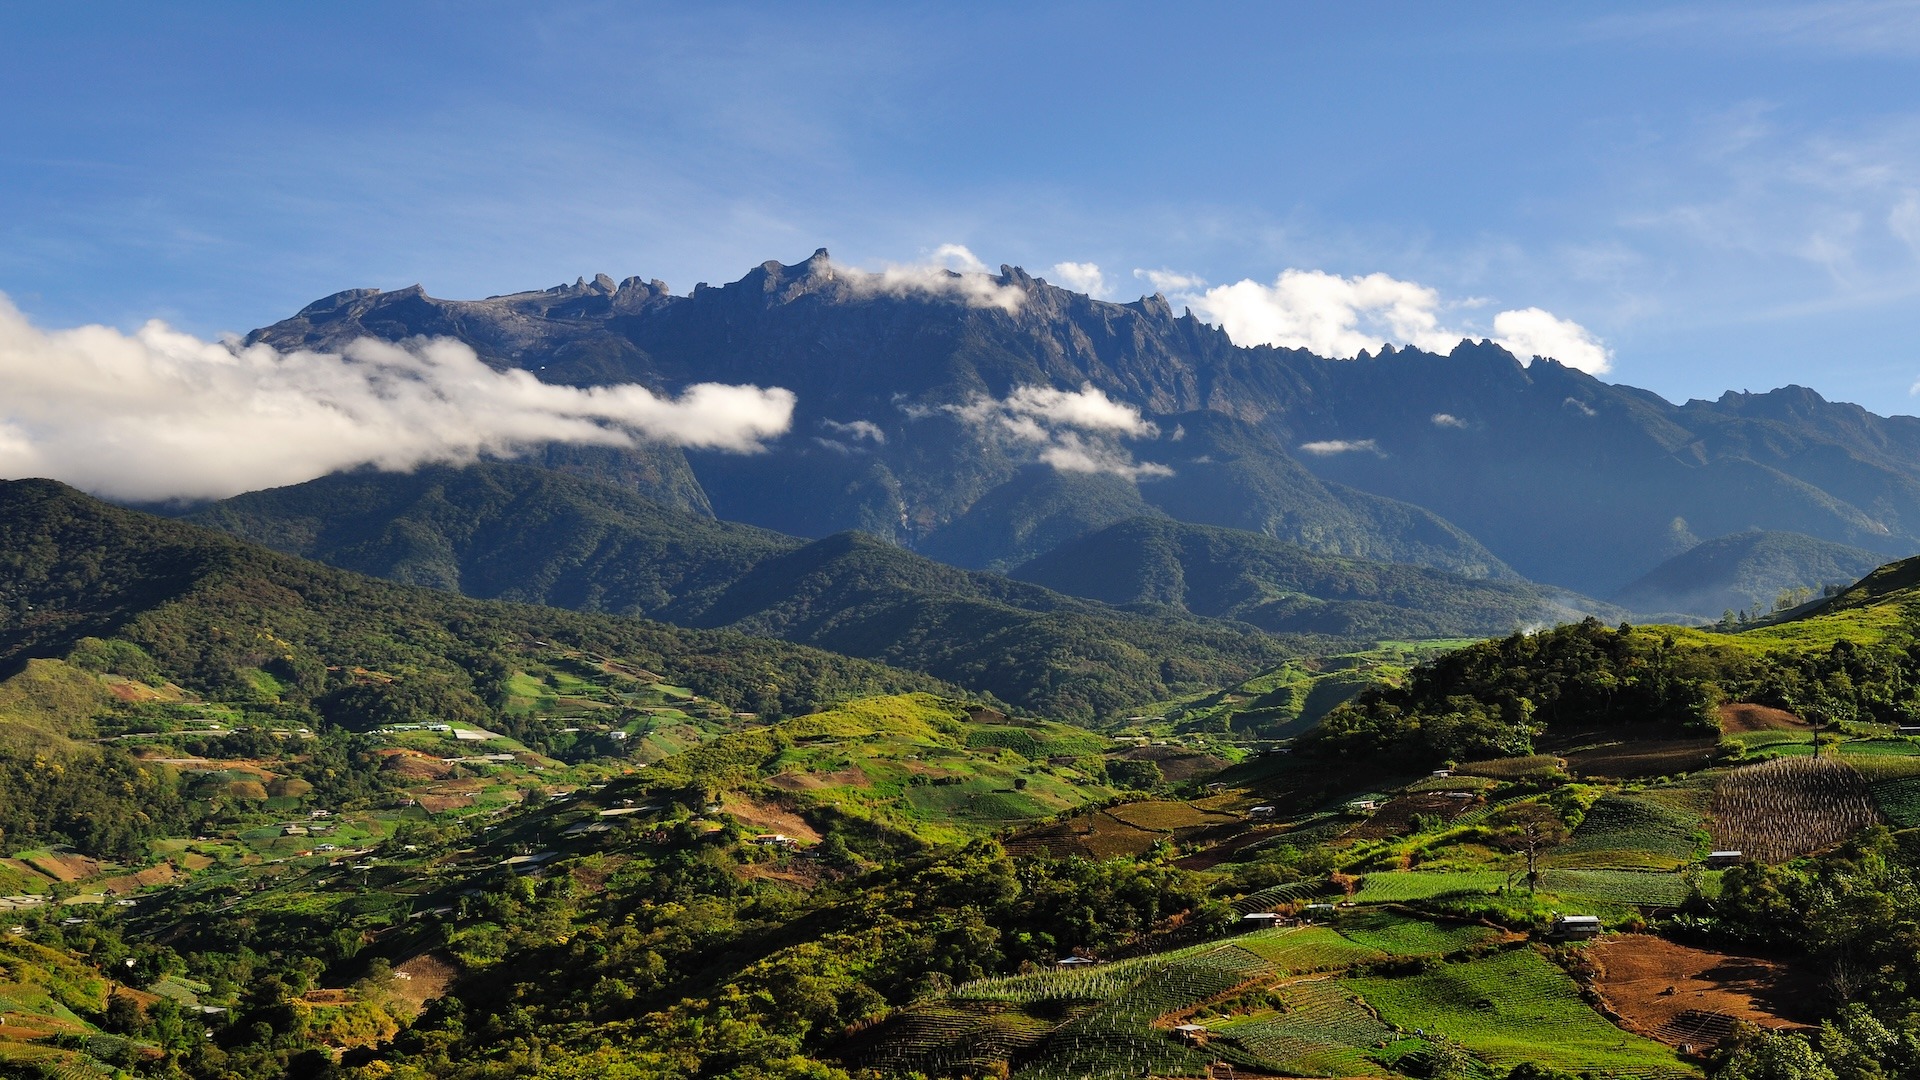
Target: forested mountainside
(1253,578)
(219,615)
(1753,572)
(1471,461)
(520,533)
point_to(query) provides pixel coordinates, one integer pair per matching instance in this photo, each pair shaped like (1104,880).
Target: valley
(390,831)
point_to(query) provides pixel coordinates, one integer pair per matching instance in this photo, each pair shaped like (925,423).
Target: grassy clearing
(1501,1010)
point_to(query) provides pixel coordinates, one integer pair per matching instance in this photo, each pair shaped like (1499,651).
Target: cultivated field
(1681,995)
(1789,807)
(1502,1009)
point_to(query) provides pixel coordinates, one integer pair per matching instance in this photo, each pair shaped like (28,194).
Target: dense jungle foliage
(1494,698)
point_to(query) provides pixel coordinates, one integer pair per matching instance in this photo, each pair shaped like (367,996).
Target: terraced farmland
(1320,1030)
(1898,801)
(1499,1007)
(1402,886)
(1308,949)
(1119,1038)
(1399,936)
(1639,887)
(1269,898)
(1626,831)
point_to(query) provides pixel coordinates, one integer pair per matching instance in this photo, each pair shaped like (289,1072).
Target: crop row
(1898,801)
(1499,1007)
(1641,887)
(1321,1028)
(1273,896)
(1789,807)
(1401,886)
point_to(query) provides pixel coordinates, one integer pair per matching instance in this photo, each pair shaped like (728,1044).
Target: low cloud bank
(1339,317)
(1071,430)
(953,273)
(159,414)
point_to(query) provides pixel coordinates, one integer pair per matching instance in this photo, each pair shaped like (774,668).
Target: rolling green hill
(520,533)
(1285,588)
(1746,571)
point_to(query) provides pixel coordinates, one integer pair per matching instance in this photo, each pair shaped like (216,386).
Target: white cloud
(1532,332)
(160,414)
(1081,277)
(1330,447)
(856,430)
(1339,317)
(1072,452)
(1071,430)
(1579,406)
(953,273)
(1448,420)
(1170,283)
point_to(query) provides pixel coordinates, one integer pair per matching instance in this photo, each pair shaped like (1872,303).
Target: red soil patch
(1745,716)
(152,875)
(1643,757)
(422,978)
(63,867)
(1678,994)
(198,764)
(767,817)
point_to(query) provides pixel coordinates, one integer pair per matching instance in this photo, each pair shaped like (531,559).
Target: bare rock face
(1470,461)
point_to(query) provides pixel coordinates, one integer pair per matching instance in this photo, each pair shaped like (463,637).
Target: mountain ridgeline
(1472,462)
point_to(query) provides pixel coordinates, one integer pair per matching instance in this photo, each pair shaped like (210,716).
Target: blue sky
(1725,196)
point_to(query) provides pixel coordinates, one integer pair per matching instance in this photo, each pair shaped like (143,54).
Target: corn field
(1788,807)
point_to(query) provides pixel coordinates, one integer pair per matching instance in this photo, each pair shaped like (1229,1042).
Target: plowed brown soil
(1679,994)
(1745,716)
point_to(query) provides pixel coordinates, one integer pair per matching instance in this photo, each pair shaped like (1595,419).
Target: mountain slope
(1745,572)
(1560,476)
(1232,574)
(215,613)
(519,533)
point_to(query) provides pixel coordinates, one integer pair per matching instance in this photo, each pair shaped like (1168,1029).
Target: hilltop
(1748,571)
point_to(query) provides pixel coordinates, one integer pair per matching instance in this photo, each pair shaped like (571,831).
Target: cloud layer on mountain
(1071,430)
(1339,317)
(952,273)
(159,414)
